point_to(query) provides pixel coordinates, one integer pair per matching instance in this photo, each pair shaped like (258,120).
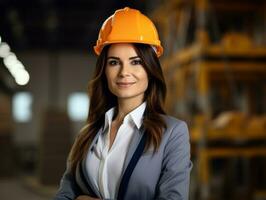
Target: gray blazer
(164,175)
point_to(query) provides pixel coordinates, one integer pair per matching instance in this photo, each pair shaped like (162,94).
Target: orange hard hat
(128,26)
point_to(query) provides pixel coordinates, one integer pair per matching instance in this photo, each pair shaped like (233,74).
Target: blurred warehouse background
(214,64)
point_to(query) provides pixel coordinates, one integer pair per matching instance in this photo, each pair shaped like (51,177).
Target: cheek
(109,76)
(145,80)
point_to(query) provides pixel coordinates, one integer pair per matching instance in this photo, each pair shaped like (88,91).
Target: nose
(124,70)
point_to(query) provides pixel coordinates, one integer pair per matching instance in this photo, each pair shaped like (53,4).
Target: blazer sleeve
(68,189)
(174,179)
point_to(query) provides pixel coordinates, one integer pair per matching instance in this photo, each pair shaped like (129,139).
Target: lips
(125,84)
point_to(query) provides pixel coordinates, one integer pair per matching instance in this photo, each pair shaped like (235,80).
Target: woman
(129,149)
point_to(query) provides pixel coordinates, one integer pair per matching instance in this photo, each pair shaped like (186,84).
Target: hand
(85,197)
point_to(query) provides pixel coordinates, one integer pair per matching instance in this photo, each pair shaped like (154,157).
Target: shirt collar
(135,115)
(109,118)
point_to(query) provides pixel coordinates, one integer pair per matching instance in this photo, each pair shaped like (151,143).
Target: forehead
(122,50)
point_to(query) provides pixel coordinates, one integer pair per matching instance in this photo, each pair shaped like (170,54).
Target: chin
(129,96)
(124,96)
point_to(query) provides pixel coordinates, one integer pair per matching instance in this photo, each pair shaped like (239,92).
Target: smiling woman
(129,149)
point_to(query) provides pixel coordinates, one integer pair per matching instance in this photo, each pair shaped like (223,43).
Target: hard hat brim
(159,48)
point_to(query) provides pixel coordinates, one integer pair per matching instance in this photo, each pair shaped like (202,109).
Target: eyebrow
(117,58)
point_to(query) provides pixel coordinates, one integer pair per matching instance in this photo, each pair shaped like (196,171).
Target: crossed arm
(84,197)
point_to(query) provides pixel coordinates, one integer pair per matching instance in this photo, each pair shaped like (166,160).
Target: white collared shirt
(105,166)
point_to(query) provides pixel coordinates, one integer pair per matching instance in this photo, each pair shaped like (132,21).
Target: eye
(113,62)
(136,62)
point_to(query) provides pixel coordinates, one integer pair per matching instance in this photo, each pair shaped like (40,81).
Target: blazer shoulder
(172,122)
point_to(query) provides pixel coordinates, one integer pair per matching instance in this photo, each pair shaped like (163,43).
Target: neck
(125,106)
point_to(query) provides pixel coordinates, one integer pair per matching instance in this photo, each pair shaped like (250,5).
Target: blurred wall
(74,71)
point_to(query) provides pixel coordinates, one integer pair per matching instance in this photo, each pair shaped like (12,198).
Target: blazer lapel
(130,167)
(133,146)
(82,181)
(83,165)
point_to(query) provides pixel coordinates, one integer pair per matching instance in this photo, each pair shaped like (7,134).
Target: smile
(125,84)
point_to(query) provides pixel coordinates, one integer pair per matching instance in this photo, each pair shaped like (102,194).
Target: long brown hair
(102,100)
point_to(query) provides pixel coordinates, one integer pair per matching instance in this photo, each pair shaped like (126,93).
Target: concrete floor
(15,188)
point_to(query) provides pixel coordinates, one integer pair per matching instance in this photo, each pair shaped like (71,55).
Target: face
(126,76)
